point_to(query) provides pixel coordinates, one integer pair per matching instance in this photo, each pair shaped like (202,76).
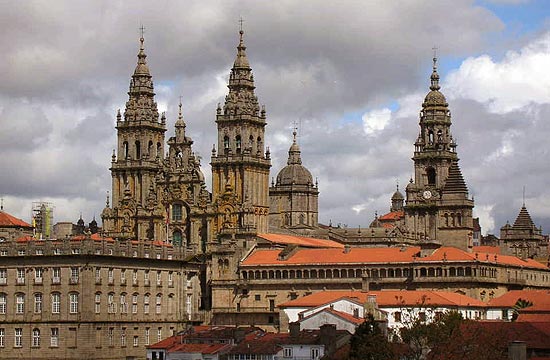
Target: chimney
(517,350)
(294,329)
(327,337)
(346,249)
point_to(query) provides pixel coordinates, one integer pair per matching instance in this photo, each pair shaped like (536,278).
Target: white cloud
(376,120)
(519,79)
(486,220)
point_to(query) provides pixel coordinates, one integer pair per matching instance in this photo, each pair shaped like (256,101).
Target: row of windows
(75,276)
(359,273)
(54,337)
(123,299)
(150,150)
(38,303)
(77,251)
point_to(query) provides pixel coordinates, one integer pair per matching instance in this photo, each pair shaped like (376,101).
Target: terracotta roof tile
(299,240)
(199,348)
(7,220)
(332,256)
(394,215)
(486,249)
(539,298)
(388,298)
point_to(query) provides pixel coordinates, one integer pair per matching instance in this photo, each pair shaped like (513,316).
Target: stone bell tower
(437,204)
(240,166)
(140,149)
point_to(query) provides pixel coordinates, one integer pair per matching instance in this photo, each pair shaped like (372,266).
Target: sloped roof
(393,215)
(332,256)
(539,298)
(486,249)
(455,182)
(199,348)
(524,221)
(284,239)
(388,298)
(7,220)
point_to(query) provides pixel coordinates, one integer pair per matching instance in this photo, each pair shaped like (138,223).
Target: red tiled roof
(486,249)
(387,298)
(447,253)
(539,298)
(394,215)
(199,348)
(332,256)
(299,240)
(7,220)
(348,317)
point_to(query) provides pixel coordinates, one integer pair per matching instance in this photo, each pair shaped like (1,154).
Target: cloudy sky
(352,74)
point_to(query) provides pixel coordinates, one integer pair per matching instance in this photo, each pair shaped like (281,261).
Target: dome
(397,195)
(295,174)
(435,98)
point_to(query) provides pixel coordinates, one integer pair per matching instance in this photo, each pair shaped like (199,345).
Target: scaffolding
(42,220)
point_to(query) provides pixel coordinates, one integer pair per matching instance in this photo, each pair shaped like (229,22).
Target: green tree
(520,304)
(370,343)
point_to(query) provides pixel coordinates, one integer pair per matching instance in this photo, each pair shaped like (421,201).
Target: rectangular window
(21,252)
(111,307)
(315,353)
(54,337)
(159,278)
(159,334)
(3,276)
(110,336)
(123,337)
(56,303)
(110,276)
(97,303)
(75,251)
(146,277)
(136,341)
(2,337)
(3,252)
(98,275)
(3,303)
(20,276)
(257,297)
(123,276)
(170,279)
(56,275)
(19,303)
(147,331)
(287,352)
(37,303)
(74,275)
(57,251)
(158,304)
(73,303)
(135,277)
(176,212)
(18,338)
(397,316)
(146,304)
(123,304)
(35,338)
(39,252)
(38,275)
(134,303)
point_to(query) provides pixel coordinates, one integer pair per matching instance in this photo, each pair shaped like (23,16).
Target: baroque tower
(437,206)
(294,197)
(140,150)
(240,167)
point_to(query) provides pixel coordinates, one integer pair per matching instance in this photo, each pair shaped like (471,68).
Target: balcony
(38,281)
(73,280)
(56,280)
(20,281)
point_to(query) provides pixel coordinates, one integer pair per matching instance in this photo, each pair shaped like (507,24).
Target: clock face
(427,194)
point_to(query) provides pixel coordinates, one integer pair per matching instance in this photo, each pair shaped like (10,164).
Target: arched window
(138,149)
(159,149)
(431,175)
(146,299)
(430,137)
(150,149)
(458,219)
(238,143)
(125,149)
(226,142)
(158,304)
(176,238)
(259,144)
(302,219)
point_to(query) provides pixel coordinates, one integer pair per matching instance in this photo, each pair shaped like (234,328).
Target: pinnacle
(455,182)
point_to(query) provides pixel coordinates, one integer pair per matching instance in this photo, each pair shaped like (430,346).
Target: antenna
(141,30)
(241,21)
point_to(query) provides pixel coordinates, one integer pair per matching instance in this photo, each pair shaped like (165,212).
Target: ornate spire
(141,105)
(435,76)
(294,153)
(241,99)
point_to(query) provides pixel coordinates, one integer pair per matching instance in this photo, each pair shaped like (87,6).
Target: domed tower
(294,197)
(397,200)
(437,204)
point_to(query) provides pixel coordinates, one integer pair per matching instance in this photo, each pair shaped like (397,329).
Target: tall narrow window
(123,304)
(111,307)
(110,336)
(123,337)
(38,303)
(238,143)
(226,142)
(73,303)
(138,150)
(431,175)
(54,337)
(18,338)
(134,303)
(56,275)
(176,212)
(19,303)
(146,304)
(38,275)
(3,303)
(56,303)
(20,276)
(2,337)
(35,337)
(125,149)
(97,302)
(3,276)
(158,304)
(176,238)
(75,271)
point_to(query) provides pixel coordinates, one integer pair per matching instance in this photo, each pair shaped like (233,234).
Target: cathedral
(170,253)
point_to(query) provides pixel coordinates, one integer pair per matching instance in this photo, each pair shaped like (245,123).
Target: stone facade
(524,239)
(92,298)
